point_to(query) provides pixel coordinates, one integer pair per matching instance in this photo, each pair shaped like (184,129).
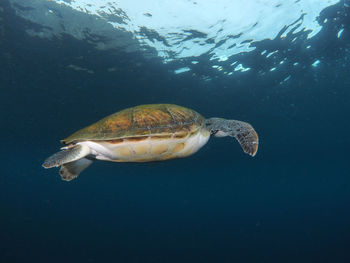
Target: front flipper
(67,155)
(242,131)
(70,171)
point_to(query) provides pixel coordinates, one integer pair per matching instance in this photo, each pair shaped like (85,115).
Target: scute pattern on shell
(143,120)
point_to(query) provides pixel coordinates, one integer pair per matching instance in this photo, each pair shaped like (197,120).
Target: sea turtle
(153,132)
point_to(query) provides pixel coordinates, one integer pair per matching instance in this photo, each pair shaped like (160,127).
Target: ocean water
(282,66)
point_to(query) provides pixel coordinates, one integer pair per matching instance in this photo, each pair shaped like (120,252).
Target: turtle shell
(162,120)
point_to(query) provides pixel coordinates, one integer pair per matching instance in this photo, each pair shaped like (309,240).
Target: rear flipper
(242,131)
(70,171)
(71,159)
(68,154)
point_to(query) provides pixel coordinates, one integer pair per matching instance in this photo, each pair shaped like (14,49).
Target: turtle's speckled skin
(151,120)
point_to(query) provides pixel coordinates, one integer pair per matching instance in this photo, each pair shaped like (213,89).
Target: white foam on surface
(316,63)
(179,29)
(182,70)
(340,32)
(175,20)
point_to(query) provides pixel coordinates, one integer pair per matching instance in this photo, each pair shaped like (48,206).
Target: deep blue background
(288,204)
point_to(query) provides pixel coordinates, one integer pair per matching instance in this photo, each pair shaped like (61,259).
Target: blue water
(290,203)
